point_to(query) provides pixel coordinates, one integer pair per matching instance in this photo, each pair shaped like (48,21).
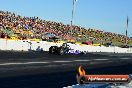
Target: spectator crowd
(34,27)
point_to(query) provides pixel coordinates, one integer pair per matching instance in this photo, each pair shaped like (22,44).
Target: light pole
(127,29)
(73,10)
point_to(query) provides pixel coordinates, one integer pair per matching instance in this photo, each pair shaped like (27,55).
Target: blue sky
(107,15)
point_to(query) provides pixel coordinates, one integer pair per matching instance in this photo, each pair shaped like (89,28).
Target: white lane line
(100,59)
(51,66)
(81,60)
(38,62)
(22,63)
(62,61)
(125,58)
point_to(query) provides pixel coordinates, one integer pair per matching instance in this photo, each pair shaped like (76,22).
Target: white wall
(26,45)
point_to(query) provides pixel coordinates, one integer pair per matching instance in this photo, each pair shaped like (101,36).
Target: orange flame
(81,71)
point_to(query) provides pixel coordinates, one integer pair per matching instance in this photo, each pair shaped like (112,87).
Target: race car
(64,49)
(59,50)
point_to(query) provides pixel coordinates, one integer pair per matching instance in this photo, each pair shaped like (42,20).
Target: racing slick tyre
(60,51)
(84,52)
(52,49)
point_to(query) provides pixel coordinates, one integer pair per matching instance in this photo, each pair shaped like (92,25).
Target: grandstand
(14,26)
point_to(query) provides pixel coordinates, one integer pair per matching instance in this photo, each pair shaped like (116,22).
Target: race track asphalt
(43,70)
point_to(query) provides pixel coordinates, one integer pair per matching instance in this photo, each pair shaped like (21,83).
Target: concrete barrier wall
(27,45)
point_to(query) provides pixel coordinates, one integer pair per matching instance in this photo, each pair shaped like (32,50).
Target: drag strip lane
(48,62)
(6,63)
(20,63)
